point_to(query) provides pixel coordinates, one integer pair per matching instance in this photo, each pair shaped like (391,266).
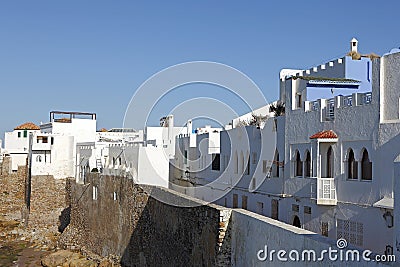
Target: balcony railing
(330,109)
(326,191)
(348,100)
(366,98)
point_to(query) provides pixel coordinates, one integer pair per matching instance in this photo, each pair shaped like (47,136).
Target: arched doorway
(296,221)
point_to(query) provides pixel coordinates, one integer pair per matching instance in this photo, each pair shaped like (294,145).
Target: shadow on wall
(65,216)
(170,236)
(64,219)
(113,216)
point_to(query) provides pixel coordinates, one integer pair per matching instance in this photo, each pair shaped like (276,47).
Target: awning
(385,203)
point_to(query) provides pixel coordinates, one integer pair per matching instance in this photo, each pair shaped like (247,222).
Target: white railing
(314,106)
(326,191)
(366,98)
(348,100)
(330,109)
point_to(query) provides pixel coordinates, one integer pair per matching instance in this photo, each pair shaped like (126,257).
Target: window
(299,101)
(352,168)
(307,210)
(248,166)
(244,202)
(260,208)
(276,164)
(324,229)
(274,209)
(235,201)
(19,134)
(216,163)
(95,192)
(298,165)
(308,164)
(236,162)
(185,159)
(254,160)
(39,158)
(253,183)
(44,139)
(329,162)
(241,162)
(52,141)
(25,133)
(265,166)
(366,166)
(295,208)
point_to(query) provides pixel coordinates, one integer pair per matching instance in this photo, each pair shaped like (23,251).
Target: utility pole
(28,183)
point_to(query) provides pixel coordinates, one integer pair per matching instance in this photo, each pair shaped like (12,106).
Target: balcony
(326,191)
(41,146)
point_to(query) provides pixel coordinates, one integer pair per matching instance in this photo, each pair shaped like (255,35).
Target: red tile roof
(324,134)
(27,126)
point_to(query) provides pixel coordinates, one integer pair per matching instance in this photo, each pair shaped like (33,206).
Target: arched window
(308,164)
(236,162)
(248,164)
(296,221)
(241,162)
(366,166)
(276,164)
(39,158)
(329,162)
(352,168)
(299,165)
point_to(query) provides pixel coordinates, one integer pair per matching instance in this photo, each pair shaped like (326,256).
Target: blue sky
(92,55)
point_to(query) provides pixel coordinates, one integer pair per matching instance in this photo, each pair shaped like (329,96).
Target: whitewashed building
(144,155)
(332,170)
(51,146)
(16,144)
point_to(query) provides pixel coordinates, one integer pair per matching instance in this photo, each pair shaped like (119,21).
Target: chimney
(170,121)
(354,45)
(189,126)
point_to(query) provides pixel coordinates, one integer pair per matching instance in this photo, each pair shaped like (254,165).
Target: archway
(296,221)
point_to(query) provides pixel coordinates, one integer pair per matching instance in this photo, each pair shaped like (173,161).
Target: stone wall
(126,221)
(48,203)
(129,223)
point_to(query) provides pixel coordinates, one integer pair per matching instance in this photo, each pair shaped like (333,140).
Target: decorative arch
(276,164)
(307,164)
(366,165)
(296,221)
(298,164)
(329,162)
(352,166)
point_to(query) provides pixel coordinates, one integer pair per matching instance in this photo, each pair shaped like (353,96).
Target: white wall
(252,232)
